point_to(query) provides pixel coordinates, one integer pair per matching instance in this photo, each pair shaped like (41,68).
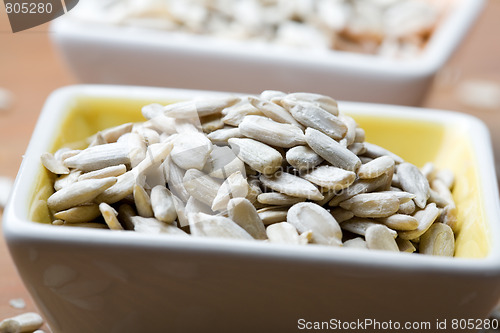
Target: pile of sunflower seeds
(393,28)
(284,168)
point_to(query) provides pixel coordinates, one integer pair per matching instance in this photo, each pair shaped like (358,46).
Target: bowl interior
(448,144)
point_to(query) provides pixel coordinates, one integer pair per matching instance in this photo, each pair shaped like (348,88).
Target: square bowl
(89,280)
(110,54)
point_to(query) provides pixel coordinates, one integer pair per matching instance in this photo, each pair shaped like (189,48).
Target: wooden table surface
(30,68)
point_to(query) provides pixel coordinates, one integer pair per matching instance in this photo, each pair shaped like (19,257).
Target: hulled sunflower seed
(271,132)
(235,186)
(112,171)
(360,186)
(142,201)
(438,240)
(379,237)
(274,112)
(376,167)
(257,155)
(322,101)
(340,214)
(200,107)
(98,157)
(163,204)
(309,216)
(191,151)
(426,218)
(405,245)
(359,226)
(303,158)
(291,185)
(151,225)
(243,213)
(221,136)
(400,222)
(372,205)
(374,151)
(413,181)
(222,162)
(109,214)
(330,178)
(79,214)
(284,233)
(79,193)
(276,198)
(54,165)
(201,186)
(204,225)
(331,150)
(358,243)
(26,322)
(315,117)
(273,214)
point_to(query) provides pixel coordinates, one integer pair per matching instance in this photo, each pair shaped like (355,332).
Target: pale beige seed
(273,214)
(435,197)
(449,217)
(234,115)
(376,167)
(374,151)
(257,155)
(309,216)
(447,177)
(211,123)
(357,148)
(79,193)
(379,237)
(201,186)
(162,124)
(303,158)
(142,201)
(426,218)
(274,111)
(272,95)
(254,190)
(428,171)
(222,162)
(204,225)
(53,165)
(356,243)
(407,208)
(99,157)
(438,240)
(112,171)
(151,225)
(200,107)
(291,185)
(359,226)
(113,133)
(92,225)
(325,102)
(235,186)
(413,181)
(350,136)
(25,322)
(400,222)
(402,196)
(243,213)
(271,132)
(284,233)
(151,111)
(405,245)
(221,136)
(66,180)
(360,135)
(174,176)
(372,204)
(69,153)
(191,150)
(109,214)
(137,148)
(331,150)
(341,215)
(163,204)
(275,198)
(147,135)
(360,186)
(180,209)
(194,205)
(79,214)
(329,177)
(315,117)
(442,190)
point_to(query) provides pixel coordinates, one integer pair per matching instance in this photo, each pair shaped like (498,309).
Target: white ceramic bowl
(121,55)
(89,280)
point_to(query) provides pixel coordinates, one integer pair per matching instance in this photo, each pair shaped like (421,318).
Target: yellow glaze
(417,141)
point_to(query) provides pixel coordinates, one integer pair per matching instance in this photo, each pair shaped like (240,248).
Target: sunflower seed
(379,237)
(275,198)
(303,158)
(235,186)
(191,150)
(79,214)
(329,177)
(331,150)
(358,243)
(109,214)
(243,213)
(372,205)
(142,202)
(234,115)
(360,186)
(26,322)
(204,225)
(163,204)
(413,181)
(374,151)
(400,222)
(325,102)
(221,136)
(112,171)
(310,216)
(376,167)
(151,225)
(79,193)
(315,117)
(426,218)
(98,157)
(54,165)
(284,233)
(273,214)
(341,215)
(438,240)
(201,107)
(271,132)
(257,155)
(274,111)
(174,176)
(359,226)
(201,186)
(405,245)
(223,162)
(291,185)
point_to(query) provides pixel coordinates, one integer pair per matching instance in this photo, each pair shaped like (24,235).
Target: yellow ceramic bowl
(96,280)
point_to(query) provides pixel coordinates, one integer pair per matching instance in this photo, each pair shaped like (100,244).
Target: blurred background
(31,68)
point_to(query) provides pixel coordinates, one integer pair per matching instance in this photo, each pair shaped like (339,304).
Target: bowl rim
(444,40)
(17,227)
